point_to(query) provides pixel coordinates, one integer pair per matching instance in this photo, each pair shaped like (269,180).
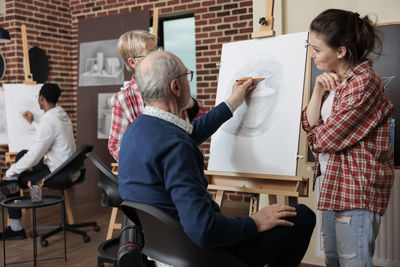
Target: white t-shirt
(326,111)
(54,141)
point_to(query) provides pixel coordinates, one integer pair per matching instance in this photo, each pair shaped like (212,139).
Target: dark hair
(51,92)
(345,28)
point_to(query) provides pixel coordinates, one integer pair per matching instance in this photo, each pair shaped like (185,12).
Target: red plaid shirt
(127,105)
(359,173)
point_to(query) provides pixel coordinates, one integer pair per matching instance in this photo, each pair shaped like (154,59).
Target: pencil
(254,79)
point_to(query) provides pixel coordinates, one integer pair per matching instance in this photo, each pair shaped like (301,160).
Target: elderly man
(161,164)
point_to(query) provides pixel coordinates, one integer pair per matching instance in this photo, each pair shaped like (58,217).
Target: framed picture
(99,64)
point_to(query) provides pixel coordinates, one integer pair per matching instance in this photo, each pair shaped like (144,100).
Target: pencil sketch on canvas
(104,112)
(254,117)
(99,63)
(20,98)
(263,134)
(3,119)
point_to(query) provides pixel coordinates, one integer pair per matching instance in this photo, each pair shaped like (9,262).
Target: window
(177,35)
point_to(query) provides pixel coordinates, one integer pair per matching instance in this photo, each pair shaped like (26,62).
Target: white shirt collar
(164,115)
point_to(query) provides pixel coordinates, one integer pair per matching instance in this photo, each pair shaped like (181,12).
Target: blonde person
(133,46)
(347,121)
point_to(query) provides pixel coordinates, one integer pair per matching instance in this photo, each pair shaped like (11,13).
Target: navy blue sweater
(160,164)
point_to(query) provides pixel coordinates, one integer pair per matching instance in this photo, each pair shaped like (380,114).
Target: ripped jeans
(349,237)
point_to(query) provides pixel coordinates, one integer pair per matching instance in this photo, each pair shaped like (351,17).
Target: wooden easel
(28,74)
(256,184)
(10,157)
(155,22)
(266,28)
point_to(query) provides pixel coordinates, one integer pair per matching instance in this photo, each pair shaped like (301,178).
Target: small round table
(25,202)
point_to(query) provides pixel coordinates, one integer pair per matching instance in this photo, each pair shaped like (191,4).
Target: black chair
(108,183)
(165,240)
(114,250)
(71,172)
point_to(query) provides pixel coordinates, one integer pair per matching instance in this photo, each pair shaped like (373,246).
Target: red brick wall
(48,26)
(54,27)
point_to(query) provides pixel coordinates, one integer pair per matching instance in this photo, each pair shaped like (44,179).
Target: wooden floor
(79,253)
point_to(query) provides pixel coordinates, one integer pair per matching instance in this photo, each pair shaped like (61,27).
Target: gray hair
(153,78)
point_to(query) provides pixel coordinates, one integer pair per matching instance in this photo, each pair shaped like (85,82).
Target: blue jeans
(349,237)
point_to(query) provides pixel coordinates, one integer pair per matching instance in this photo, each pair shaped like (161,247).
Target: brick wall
(53,27)
(48,26)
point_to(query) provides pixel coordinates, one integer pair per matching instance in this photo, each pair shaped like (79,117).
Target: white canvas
(263,135)
(3,119)
(20,98)
(104,112)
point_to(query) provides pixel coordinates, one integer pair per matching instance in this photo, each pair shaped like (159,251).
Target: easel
(256,184)
(155,22)
(267,22)
(10,156)
(112,225)
(28,74)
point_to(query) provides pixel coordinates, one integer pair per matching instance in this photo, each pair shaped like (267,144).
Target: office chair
(114,250)
(71,172)
(165,240)
(108,183)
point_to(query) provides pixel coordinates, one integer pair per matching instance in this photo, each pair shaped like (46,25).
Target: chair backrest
(108,182)
(165,240)
(70,172)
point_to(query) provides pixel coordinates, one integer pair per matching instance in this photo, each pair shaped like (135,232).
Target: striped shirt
(359,173)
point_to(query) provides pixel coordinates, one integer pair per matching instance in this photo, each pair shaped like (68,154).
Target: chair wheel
(86,238)
(96,228)
(44,243)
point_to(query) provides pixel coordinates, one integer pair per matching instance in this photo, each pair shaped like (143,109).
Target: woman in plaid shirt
(347,125)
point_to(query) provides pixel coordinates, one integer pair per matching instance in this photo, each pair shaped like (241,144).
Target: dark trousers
(34,174)
(280,246)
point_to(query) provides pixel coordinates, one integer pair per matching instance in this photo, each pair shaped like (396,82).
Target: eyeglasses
(189,75)
(150,52)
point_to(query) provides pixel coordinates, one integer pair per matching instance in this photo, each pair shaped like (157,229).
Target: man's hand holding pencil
(240,90)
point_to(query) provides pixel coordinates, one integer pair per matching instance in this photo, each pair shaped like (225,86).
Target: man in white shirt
(54,143)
